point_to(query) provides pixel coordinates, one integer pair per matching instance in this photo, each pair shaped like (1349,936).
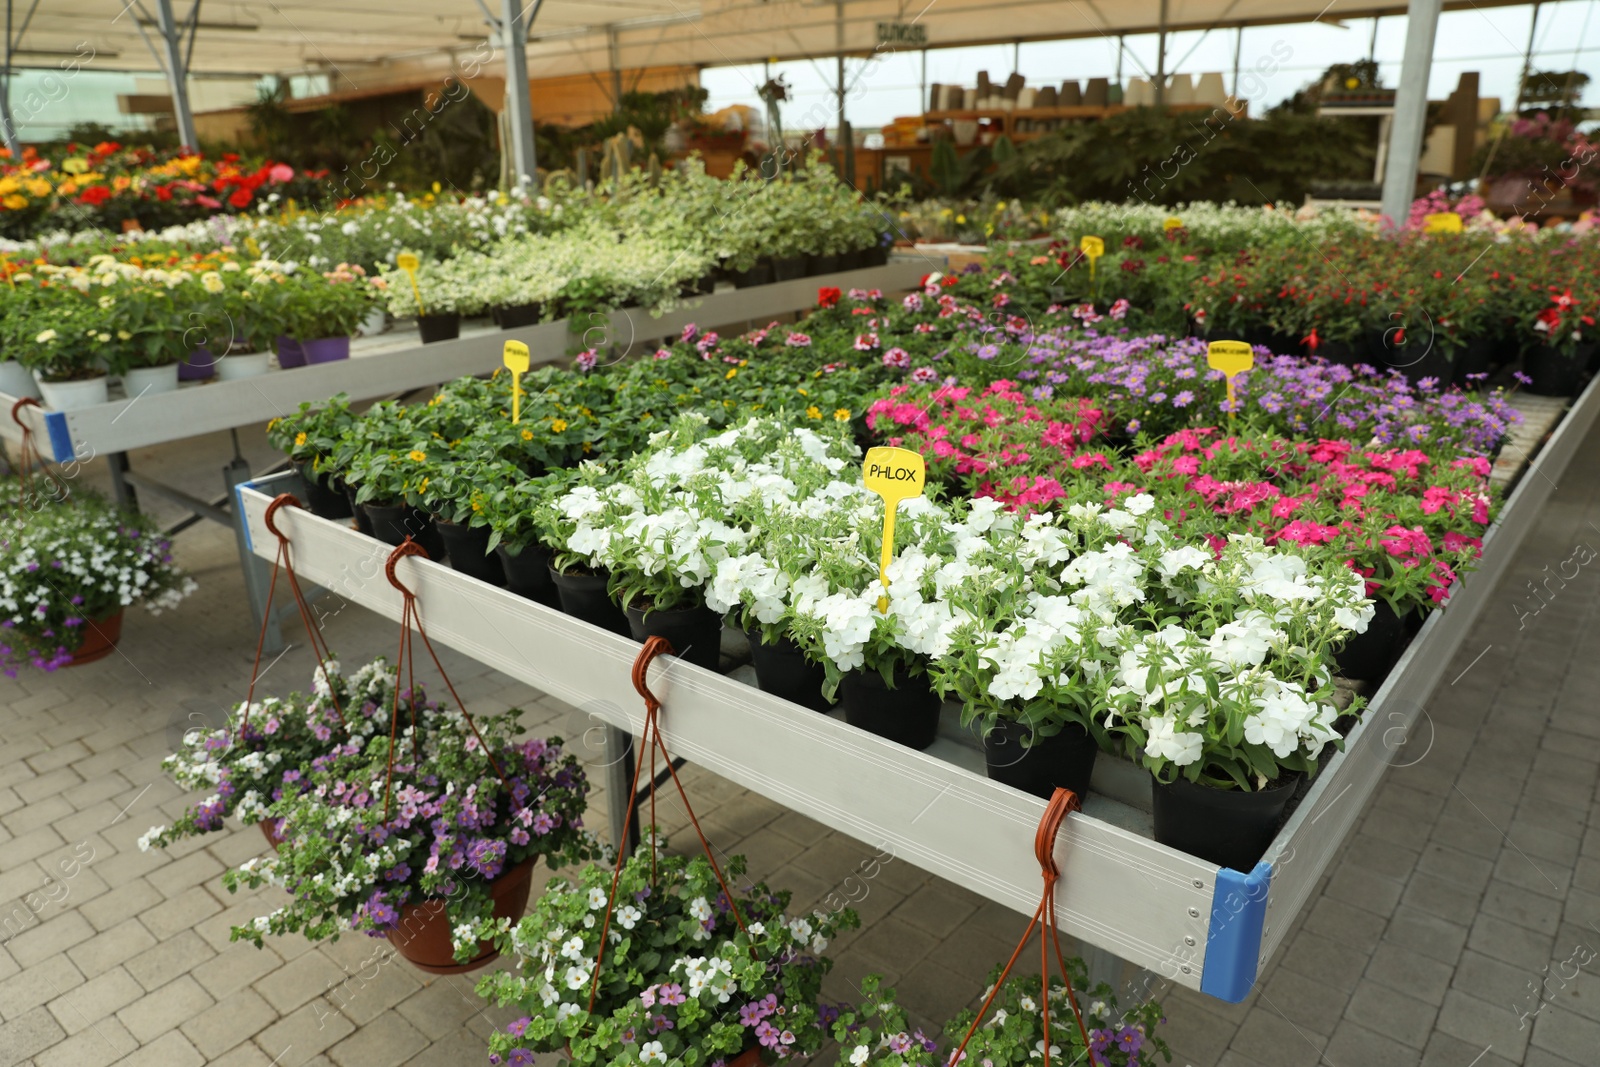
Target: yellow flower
(417,455)
(813,412)
(38,187)
(841,415)
(15,202)
(9,185)
(558,425)
(476,506)
(731,372)
(587,447)
(271,423)
(962,219)
(527,435)
(423,487)
(299,438)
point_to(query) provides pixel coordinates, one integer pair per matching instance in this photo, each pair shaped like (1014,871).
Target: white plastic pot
(145,381)
(375,323)
(17,380)
(69,396)
(243,365)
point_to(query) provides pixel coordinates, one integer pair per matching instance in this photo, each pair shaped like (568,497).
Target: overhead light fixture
(210,27)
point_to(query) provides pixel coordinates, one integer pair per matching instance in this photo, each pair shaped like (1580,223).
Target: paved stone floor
(1473,878)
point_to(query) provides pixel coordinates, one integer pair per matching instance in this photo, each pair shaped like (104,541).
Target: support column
(1238,47)
(177,72)
(1161,57)
(1410,109)
(612,55)
(7,127)
(519,106)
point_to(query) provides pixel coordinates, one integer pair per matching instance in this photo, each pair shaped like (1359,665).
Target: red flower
(95,195)
(828,296)
(239,198)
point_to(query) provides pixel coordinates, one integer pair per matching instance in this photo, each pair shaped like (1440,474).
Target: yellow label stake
(1231,358)
(1441,222)
(894,474)
(1094,248)
(409,263)
(516,361)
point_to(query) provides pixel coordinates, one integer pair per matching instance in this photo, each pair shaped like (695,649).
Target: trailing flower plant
(688,975)
(462,807)
(68,558)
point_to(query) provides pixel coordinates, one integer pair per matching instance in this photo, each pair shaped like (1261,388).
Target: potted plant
(679,972)
(70,564)
(325,309)
(1558,359)
(59,342)
(309,438)
(425,846)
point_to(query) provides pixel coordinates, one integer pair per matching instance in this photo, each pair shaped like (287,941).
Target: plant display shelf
(1205,927)
(387,365)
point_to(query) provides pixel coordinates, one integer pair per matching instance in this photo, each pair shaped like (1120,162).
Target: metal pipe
(519,104)
(1410,109)
(177,74)
(1238,47)
(6,125)
(1161,57)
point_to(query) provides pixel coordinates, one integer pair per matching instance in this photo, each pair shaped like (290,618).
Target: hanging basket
(100,638)
(423,935)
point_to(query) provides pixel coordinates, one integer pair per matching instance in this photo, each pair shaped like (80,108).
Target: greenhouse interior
(721,533)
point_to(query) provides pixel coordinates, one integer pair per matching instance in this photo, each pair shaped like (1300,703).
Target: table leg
(257,572)
(619,781)
(122,494)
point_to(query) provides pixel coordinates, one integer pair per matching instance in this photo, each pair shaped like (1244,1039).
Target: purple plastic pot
(198,367)
(326,349)
(291,353)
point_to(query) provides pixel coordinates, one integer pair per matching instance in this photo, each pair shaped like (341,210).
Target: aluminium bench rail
(1205,927)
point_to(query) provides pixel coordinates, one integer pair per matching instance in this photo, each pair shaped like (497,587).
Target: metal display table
(1205,927)
(387,365)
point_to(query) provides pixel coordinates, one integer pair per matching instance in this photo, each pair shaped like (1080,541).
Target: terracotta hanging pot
(269,832)
(99,639)
(423,934)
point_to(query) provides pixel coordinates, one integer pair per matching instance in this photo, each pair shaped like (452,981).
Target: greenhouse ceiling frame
(382,41)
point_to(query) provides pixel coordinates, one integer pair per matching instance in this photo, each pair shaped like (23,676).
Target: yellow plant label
(409,263)
(516,361)
(894,474)
(1441,222)
(1173,223)
(1231,358)
(1094,248)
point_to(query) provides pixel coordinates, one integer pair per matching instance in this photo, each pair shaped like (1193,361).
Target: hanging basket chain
(319,647)
(1062,802)
(411,614)
(653,740)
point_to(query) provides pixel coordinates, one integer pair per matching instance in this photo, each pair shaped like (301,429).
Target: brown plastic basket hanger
(1062,802)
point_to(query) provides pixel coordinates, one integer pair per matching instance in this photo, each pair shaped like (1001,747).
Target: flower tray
(1204,926)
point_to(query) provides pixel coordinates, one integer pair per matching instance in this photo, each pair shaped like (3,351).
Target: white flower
(598,897)
(651,1053)
(859,1055)
(577,977)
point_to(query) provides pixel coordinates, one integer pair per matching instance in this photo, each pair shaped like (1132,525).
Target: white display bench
(386,365)
(1205,927)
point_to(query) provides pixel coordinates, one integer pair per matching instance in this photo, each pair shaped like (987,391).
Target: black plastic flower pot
(823,264)
(1228,827)
(788,268)
(514,315)
(1434,362)
(528,574)
(783,670)
(1554,372)
(760,274)
(695,633)
(704,285)
(1337,352)
(438,327)
(875,256)
(908,713)
(393,523)
(1368,656)
(1474,358)
(1019,757)
(363,521)
(322,498)
(468,549)
(584,597)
